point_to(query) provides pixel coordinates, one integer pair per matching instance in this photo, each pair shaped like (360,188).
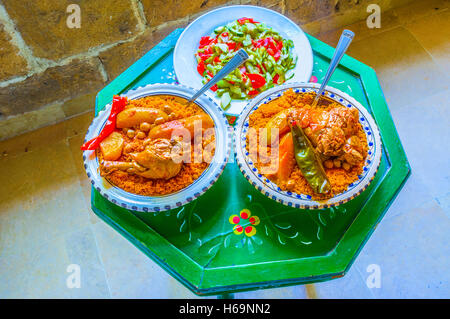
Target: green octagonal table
(196,243)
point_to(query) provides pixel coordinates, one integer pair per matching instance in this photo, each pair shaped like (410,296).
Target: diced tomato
(214,88)
(280,45)
(217,59)
(204,56)
(256,80)
(270,51)
(204,41)
(201,68)
(225,34)
(253,92)
(208,50)
(277,55)
(231,45)
(276,78)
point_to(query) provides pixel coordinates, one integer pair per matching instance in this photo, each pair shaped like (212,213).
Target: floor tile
(406,71)
(130,273)
(433,33)
(412,252)
(424,132)
(40,271)
(351,286)
(40,198)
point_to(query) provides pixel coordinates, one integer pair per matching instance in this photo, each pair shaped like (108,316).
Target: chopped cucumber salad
(270,62)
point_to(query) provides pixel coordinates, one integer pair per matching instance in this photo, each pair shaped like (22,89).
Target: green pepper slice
(308,161)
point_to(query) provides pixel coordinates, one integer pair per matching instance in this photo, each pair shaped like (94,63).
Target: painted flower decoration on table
(241,221)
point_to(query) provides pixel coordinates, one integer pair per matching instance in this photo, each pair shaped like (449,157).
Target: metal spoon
(344,41)
(240,57)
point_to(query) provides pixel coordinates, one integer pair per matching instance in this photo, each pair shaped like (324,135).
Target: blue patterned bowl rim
(270,189)
(141,203)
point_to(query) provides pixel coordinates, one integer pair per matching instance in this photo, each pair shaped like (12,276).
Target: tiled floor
(46,223)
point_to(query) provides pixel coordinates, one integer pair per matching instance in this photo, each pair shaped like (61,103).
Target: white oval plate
(165,202)
(185,64)
(269,188)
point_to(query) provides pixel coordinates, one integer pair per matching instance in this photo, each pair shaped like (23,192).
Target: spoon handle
(344,41)
(240,57)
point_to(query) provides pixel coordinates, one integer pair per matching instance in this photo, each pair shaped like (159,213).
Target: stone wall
(49,72)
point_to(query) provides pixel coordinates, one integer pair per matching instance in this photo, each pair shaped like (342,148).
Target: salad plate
(185,61)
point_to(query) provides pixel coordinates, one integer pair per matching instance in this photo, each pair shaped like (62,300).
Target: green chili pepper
(308,161)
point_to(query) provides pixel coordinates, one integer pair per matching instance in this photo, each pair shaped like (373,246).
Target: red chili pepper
(245,20)
(256,80)
(201,68)
(275,78)
(214,88)
(253,92)
(117,106)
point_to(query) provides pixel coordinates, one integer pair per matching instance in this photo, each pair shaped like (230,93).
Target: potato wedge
(136,115)
(111,147)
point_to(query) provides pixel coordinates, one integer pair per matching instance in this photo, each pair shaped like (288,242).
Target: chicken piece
(352,151)
(344,118)
(158,158)
(178,127)
(330,141)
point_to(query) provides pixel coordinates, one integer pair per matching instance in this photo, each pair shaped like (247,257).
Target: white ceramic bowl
(185,64)
(304,201)
(165,202)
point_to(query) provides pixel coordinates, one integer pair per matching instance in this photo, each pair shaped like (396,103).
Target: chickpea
(159,120)
(328,164)
(141,135)
(290,184)
(167,109)
(144,126)
(128,148)
(346,166)
(130,133)
(337,163)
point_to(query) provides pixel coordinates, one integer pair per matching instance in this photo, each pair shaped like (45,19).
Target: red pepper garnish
(238,46)
(231,82)
(275,78)
(256,80)
(214,88)
(209,73)
(201,67)
(117,106)
(253,92)
(245,20)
